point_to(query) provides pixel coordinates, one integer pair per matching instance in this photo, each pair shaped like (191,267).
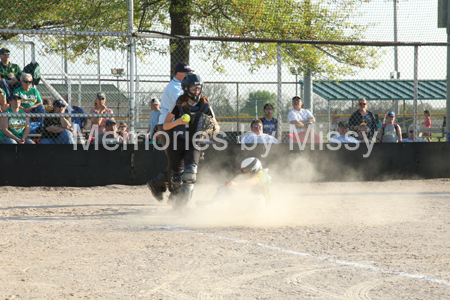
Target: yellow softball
(185,118)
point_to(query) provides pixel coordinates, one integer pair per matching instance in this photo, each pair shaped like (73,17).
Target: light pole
(295,71)
(118,73)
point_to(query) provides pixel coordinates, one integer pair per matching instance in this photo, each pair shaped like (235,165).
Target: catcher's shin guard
(185,192)
(176,187)
(190,174)
(185,195)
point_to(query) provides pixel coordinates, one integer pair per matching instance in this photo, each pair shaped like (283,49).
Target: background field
(371,240)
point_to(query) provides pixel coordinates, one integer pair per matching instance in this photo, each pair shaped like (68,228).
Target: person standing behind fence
(427,124)
(9,73)
(15,130)
(154,116)
(270,124)
(31,99)
(390,132)
(57,130)
(100,108)
(362,115)
(298,116)
(158,185)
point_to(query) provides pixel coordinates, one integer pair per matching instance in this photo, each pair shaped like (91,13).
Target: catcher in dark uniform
(186,136)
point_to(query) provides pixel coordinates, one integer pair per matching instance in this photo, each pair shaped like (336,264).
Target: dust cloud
(297,200)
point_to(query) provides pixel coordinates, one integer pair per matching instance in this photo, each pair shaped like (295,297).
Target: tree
(263,97)
(277,19)
(220,97)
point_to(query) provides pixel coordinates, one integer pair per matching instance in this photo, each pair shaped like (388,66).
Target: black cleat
(157,191)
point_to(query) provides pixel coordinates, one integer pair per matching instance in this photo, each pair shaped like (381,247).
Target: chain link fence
(84,59)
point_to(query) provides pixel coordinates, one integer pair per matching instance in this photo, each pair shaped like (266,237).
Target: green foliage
(274,19)
(263,97)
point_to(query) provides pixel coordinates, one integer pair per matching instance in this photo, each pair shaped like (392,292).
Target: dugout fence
(133,66)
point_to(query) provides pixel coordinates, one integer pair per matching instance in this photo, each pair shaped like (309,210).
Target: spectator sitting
(257,135)
(270,124)
(100,108)
(110,136)
(154,116)
(79,123)
(123,132)
(363,129)
(31,99)
(47,104)
(390,132)
(334,121)
(362,115)
(410,137)
(297,116)
(341,138)
(15,130)
(9,74)
(3,103)
(57,130)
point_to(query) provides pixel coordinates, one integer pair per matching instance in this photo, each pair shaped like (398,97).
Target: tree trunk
(180,25)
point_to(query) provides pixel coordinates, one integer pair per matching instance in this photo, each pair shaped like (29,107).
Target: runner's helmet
(252,164)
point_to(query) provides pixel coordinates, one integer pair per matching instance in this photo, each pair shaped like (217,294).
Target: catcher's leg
(187,188)
(158,185)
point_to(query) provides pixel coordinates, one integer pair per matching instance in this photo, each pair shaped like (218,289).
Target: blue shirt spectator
(270,124)
(154,115)
(79,121)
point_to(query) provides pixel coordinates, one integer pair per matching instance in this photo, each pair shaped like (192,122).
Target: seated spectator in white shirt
(411,135)
(257,135)
(298,116)
(341,138)
(110,136)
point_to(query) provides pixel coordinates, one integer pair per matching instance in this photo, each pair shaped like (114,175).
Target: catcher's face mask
(194,93)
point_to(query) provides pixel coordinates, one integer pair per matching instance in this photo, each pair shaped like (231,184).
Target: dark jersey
(195,113)
(49,122)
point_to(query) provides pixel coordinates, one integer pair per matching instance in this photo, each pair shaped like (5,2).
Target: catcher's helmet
(252,164)
(190,80)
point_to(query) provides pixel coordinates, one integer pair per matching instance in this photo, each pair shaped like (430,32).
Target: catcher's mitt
(206,124)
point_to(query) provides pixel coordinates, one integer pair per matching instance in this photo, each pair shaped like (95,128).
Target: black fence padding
(60,165)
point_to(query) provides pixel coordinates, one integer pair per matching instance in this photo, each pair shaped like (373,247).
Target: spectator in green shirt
(15,130)
(31,99)
(9,73)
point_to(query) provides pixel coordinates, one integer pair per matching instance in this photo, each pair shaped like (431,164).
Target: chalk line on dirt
(328,259)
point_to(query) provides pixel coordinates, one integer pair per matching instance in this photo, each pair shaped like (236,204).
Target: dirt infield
(372,240)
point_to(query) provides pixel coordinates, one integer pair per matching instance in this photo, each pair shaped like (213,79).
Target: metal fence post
(79,90)
(416,85)
(132,70)
(237,108)
(279,103)
(447,129)
(138,99)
